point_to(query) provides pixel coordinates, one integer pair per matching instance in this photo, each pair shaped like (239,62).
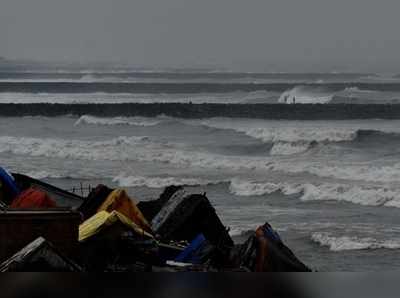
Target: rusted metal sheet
(20,227)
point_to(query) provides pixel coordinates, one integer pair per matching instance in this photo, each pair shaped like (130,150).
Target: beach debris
(151,208)
(264,251)
(109,231)
(39,255)
(184,216)
(199,251)
(94,200)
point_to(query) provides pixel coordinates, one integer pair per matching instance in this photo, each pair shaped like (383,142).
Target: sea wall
(187,110)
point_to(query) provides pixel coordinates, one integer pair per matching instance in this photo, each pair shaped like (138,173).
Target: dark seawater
(330,187)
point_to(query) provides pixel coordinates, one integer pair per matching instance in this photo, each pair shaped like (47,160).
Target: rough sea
(330,188)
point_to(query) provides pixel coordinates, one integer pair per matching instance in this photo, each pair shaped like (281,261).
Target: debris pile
(49,229)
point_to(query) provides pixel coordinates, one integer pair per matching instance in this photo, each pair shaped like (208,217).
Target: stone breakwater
(187,110)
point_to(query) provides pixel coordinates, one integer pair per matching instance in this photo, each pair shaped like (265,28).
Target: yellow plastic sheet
(103,219)
(119,201)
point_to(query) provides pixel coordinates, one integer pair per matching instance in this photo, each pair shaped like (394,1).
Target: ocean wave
(362,195)
(134,121)
(354,171)
(60,174)
(145,149)
(357,90)
(124,180)
(284,148)
(114,149)
(345,243)
(47,174)
(124,148)
(288,140)
(271,133)
(324,94)
(249,188)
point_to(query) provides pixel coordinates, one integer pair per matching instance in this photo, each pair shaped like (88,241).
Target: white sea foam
(44,174)
(113,149)
(147,150)
(284,148)
(124,180)
(362,195)
(352,171)
(286,140)
(124,149)
(134,121)
(247,188)
(272,132)
(344,243)
(78,174)
(358,90)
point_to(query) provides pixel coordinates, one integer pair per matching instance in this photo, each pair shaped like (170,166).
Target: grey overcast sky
(279,35)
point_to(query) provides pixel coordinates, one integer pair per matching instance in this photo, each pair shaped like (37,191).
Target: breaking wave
(345,243)
(362,195)
(78,174)
(324,94)
(285,148)
(134,121)
(144,149)
(353,171)
(288,140)
(268,132)
(47,174)
(357,90)
(123,149)
(114,149)
(159,182)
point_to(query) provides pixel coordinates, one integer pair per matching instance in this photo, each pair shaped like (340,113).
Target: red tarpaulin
(33,198)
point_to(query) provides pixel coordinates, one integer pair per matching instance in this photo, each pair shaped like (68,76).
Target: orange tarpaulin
(119,201)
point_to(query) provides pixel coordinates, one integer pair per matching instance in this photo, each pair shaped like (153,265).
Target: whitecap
(136,121)
(124,180)
(345,243)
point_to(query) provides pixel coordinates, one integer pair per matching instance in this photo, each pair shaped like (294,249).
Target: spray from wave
(306,95)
